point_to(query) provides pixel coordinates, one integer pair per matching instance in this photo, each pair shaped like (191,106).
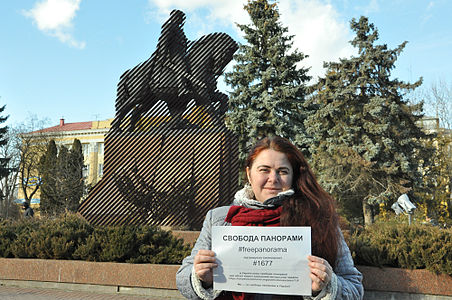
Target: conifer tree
(268,87)
(75,181)
(4,170)
(367,145)
(47,171)
(63,179)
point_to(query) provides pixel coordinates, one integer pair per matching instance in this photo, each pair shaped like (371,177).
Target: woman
(282,191)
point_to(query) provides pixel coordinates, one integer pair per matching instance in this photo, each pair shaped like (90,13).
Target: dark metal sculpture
(178,72)
(169,169)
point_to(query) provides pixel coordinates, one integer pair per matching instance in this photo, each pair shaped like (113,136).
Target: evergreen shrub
(20,244)
(403,246)
(71,237)
(7,235)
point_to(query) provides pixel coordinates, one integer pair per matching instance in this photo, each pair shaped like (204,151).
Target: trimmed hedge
(71,237)
(403,246)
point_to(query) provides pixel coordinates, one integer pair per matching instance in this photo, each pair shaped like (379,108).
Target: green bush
(47,238)
(158,246)
(7,236)
(71,237)
(20,245)
(403,246)
(59,238)
(133,244)
(108,244)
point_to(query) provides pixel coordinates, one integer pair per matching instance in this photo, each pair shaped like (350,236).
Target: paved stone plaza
(23,293)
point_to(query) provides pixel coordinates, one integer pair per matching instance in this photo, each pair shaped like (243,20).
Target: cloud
(54,17)
(428,15)
(317,27)
(207,14)
(319,32)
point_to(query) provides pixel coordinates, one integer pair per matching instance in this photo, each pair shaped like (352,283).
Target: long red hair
(310,205)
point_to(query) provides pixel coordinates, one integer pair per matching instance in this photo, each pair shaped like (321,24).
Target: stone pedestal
(170,178)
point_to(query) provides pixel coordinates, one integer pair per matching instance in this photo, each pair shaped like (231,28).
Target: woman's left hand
(321,272)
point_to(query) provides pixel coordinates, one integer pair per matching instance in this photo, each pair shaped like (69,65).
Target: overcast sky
(63,58)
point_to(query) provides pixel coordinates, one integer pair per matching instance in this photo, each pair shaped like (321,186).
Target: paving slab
(24,293)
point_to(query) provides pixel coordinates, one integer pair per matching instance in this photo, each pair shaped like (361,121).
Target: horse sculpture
(178,72)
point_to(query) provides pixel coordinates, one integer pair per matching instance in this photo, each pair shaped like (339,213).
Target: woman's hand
(203,263)
(321,272)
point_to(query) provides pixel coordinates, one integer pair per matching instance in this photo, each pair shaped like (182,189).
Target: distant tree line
(30,162)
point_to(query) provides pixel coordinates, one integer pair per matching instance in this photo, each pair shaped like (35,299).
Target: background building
(91,135)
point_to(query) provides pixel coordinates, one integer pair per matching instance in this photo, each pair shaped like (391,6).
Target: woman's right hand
(203,263)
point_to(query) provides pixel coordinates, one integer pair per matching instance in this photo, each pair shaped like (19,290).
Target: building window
(100,150)
(85,149)
(101,170)
(86,171)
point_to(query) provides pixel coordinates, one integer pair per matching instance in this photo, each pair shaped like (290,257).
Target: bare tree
(438,102)
(33,142)
(442,101)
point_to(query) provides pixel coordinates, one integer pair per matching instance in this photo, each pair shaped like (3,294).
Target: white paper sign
(265,260)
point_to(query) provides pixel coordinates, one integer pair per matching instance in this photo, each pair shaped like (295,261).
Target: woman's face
(269,174)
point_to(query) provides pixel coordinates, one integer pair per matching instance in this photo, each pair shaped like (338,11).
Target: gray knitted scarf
(245,197)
